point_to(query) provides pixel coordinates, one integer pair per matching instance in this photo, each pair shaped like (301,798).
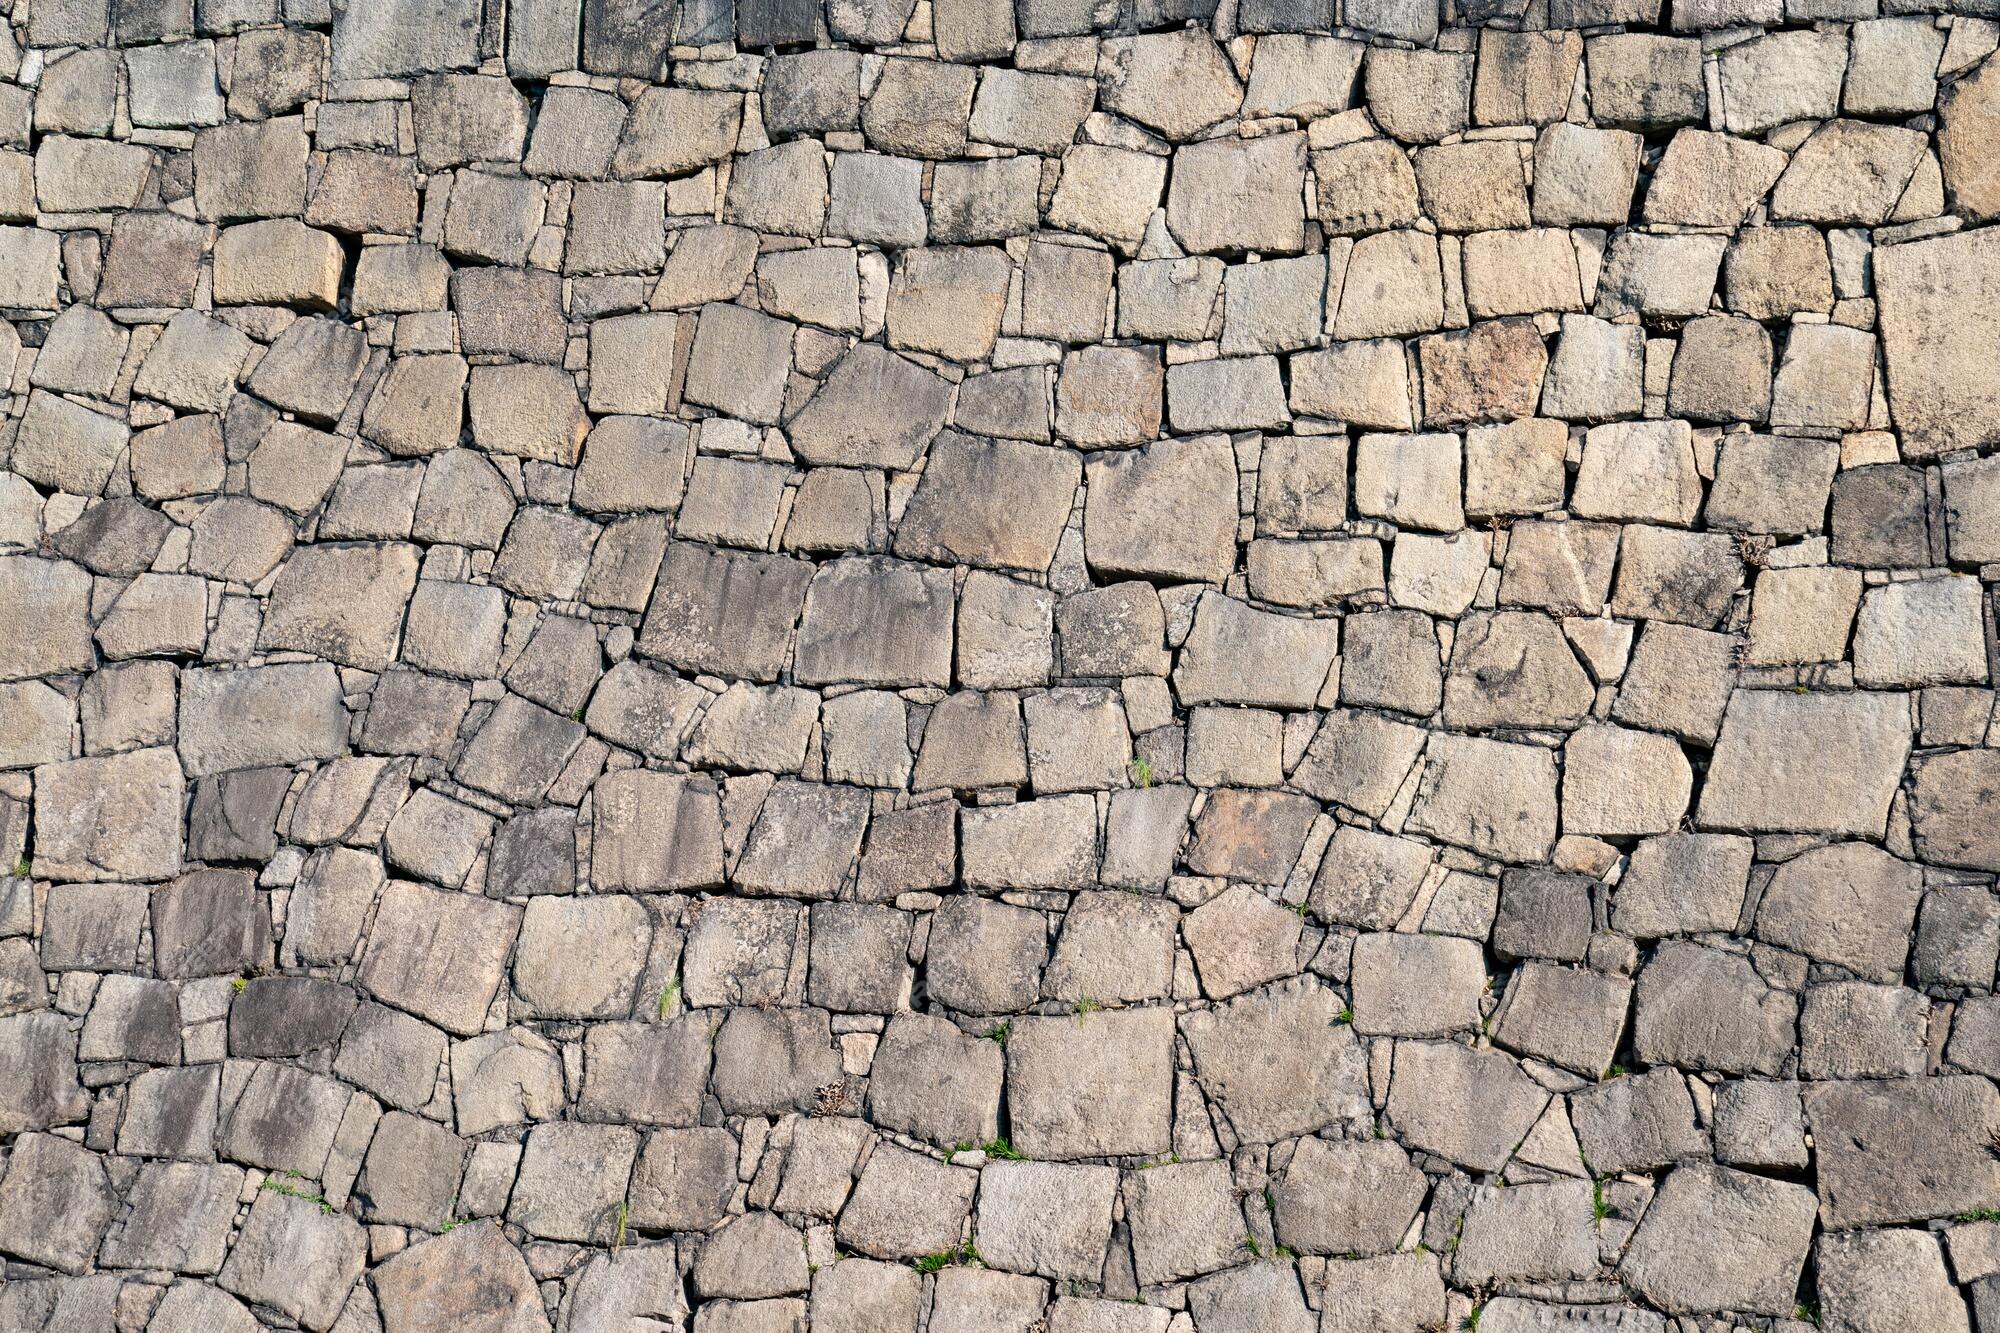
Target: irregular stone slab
(1279,1062)
(373,41)
(769,1061)
(1237,654)
(54,1203)
(117,817)
(936,1082)
(1395,1291)
(1041,1217)
(39,1089)
(1511,1314)
(341,602)
(1168,509)
(1494,797)
(296,1257)
(1355,1198)
(1850,904)
(49,600)
(876,409)
(805,840)
(1951,803)
(1391,1001)
(655,831)
(468,1278)
(180,1219)
(1539,1230)
(1808,763)
(1097,1085)
(616,1290)
(281,714)
(1702,1008)
(572,1180)
(439,955)
(1682,882)
(1753,1233)
(1942,1168)
(1185,1219)
(646,1073)
(1938,311)
(876,622)
(998,504)
(1637,1123)
(1570,1018)
(1471,1107)
(1049,843)
(1883,1279)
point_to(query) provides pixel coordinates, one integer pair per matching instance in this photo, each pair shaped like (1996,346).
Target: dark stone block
(210,923)
(534,853)
(288,1016)
(628,37)
(235,815)
(1543,914)
(775,22)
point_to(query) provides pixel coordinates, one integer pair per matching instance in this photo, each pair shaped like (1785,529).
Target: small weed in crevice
(283,1185)
(965,1255)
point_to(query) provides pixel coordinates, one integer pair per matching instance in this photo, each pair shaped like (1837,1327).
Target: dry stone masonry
(999,666)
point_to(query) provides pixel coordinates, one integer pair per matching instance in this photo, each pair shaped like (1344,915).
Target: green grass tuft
(283,1185)
(966,1254)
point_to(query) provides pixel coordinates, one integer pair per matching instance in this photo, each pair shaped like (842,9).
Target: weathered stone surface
(1936,311)
(111,818)
(442,956)
(665,650)
(1942,1170)
(1245,1056)
(1701,1008)
(1040,1217)
(470,1277)
(1091,1088)
(1811,763)
(1471,1107)
(655,831)
(1768,1225)
(1165,510)
(1347,1198)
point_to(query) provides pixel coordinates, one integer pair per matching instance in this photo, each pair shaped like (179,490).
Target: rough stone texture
(679,665)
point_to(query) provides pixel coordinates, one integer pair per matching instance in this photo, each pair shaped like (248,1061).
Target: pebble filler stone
(999,666)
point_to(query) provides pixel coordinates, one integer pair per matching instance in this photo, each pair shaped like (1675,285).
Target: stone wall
(1078,666)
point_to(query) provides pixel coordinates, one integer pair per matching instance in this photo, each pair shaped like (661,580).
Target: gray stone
(1470,1107)
(1045,1218)
(1942,1170)
(470,1277)
(294,1257)
(1810,763)
(1092,1086)
(439,955)
(117,817)
(1769,1224)
(1352,1198)
(1247,1057)
(935,1082)
(1702,1008)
